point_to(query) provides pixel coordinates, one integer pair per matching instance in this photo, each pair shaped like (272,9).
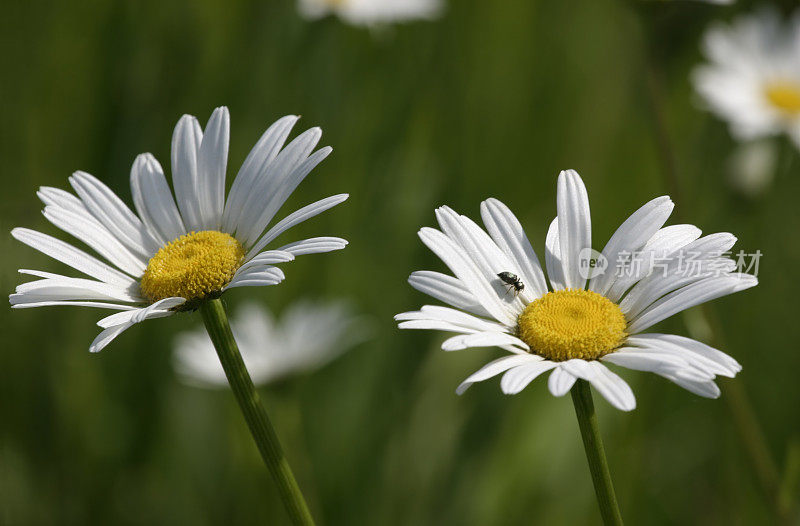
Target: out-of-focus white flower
(370,12)
(308,335)
(751,167)
(752,79)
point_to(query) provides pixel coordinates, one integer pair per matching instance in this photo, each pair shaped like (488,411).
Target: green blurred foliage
(492,100)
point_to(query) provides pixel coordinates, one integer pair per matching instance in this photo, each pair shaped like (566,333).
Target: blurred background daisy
(372,12)
(308,335)
(488,99)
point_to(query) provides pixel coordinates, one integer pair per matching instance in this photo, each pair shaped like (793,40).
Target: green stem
(216,322)
(595,454)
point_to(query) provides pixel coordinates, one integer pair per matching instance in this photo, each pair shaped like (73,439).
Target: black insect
(512,281)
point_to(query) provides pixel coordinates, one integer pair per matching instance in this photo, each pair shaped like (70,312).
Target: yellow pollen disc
(785,96)
(568,324)
(195,266)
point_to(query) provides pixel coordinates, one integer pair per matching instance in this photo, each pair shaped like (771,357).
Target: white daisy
(575,326)
(307,336)
(167,256)
(370,12)
(752,79)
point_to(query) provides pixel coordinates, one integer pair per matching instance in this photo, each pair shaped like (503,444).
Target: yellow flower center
(195,266)
(785,96)
(568,324)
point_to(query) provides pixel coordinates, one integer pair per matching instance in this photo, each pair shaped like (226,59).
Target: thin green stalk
(216,322)
(595,454)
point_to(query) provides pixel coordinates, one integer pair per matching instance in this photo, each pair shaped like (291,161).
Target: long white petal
(454,316)
(112,213)
(695,352)
(75,258)
(482,339)
(314,245)
(518,378)
(153,200)
(263,153)
(574,225)
(97,304)
(448,289)
(611,386)
(552,257)
(560,381)
(693,294)
(630,237)
(485,254)
(156,310)
(96,236)
(295,218)
(186,141)
(276,183)
(212,161)
(507,232)
(496,367)
(465,270)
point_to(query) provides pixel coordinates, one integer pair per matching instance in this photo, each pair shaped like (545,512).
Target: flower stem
(216,322)
(595,454)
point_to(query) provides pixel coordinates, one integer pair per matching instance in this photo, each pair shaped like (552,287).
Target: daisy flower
(176,252)
(752,78)
(573,324)
(369,12)
(307,336)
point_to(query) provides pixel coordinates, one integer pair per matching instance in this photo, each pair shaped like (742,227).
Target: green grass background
(492,100)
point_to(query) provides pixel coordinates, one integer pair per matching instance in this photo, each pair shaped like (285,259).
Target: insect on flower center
(784,96)
(568,324)
(194,266)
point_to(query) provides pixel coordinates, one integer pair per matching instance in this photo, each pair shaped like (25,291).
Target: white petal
(694,294)
(75,258)
(62,199)
(560,381)
(482,339)
(153,200)
(212,161)
(485,254)
(507,232)
(112,213)
(447,289)
(467,322)
(630,237)
(277,182)
(668,279)
(268,257)
(257,277)
(137,315)
(574,225)
(96,236)
(518,378)
(98,304)
(186,141)
(265,150)
(314,245)
(156,310)
(295,218)
(698,354)
(612,387)
(58,287)
(552,257)
(466,270)
(496,367)
(706,389)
